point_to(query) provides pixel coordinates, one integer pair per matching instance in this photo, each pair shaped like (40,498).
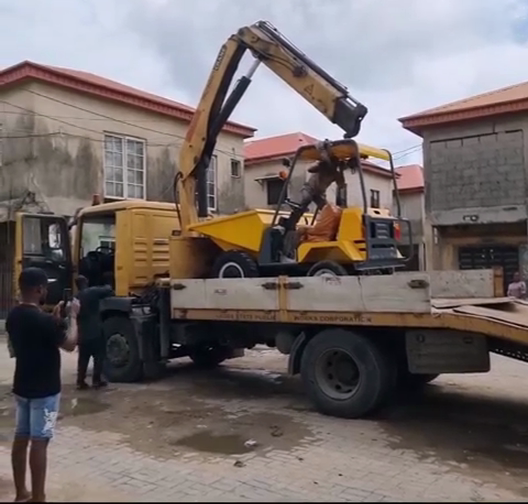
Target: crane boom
(283,58)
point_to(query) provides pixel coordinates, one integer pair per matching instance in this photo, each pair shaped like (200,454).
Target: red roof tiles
(500,101)
(410,178)
(101,87)
(276,147)
(273,148)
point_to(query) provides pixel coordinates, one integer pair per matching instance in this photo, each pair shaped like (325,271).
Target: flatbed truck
(353,339)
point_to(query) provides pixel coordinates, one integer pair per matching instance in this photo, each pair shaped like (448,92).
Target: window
(32,236)
(274,187)
(1,144)
(211,183)
(236,168)
(43,237)
(107,242)
(374,198)
(124,167)
(97,232)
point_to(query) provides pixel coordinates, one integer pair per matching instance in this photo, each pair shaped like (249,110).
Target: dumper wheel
(123,362)
(327,268)
(235,264)
(345,374)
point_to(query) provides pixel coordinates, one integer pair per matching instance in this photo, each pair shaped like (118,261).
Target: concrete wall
(413,208)
(475,172)
(476,180)
(256,192)
(57,151)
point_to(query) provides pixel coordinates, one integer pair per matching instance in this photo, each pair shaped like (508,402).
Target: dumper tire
(327,268)
(372,372)
(241,263)
(123,363)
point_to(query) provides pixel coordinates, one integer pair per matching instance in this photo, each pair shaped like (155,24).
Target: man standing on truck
(36,337)
(92,343)
(517,287)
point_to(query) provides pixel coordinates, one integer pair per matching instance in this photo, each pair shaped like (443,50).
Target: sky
(397,57)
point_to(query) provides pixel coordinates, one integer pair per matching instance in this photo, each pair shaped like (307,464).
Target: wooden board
(517,316)
(399,293)
(453,303)
(462,284)
(223,294)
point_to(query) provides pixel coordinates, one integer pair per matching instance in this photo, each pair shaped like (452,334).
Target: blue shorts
(36,418)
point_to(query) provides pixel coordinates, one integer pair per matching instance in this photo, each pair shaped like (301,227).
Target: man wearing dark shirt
(35,338)
(92,343)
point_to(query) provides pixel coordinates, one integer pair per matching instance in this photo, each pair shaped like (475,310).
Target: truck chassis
(353,340)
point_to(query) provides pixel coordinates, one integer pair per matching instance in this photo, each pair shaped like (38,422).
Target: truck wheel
(122,363)
(345,374)
(235,264)
(208,357)
(327,268)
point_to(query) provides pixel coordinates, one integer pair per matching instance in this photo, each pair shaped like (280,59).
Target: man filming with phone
(35,338)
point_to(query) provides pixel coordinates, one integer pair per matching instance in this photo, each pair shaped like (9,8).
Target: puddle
(207,441)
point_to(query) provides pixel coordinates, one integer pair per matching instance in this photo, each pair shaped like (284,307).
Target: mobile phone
(67,296)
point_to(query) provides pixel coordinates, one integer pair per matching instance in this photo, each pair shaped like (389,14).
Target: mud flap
(438,351)
(297,349)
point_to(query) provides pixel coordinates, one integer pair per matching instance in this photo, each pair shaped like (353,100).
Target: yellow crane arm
(282,57)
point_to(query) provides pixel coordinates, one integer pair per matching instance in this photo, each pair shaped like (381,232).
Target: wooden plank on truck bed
(455,302)
(462,284)
(223,294)
(399,293)
(407,292)
(516,314)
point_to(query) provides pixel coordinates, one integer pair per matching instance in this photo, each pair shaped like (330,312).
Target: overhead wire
(396,155)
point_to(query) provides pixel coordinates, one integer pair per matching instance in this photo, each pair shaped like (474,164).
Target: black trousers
(93,348)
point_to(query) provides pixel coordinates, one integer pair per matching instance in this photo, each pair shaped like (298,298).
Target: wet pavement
(246,432)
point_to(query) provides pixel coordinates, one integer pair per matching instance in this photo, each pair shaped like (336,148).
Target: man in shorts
(36,337)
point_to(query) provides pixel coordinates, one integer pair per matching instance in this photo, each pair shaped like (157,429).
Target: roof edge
(31,70)
(417,122)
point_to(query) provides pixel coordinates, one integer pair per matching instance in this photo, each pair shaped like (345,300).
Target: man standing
(36,337)
(92,343)
(517,288)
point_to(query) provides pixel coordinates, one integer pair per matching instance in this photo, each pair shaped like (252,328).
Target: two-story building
(263,163)
(475,174)
(66,135)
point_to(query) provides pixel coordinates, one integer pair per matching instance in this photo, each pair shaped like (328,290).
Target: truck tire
(330,268)
(345,374)
(208,357)
(234,264)
(122,363)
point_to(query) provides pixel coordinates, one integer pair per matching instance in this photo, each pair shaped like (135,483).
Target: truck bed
(462,300)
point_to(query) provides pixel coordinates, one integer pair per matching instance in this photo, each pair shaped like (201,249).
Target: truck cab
(129,239)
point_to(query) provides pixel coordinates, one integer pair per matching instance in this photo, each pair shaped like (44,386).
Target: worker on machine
(322,175)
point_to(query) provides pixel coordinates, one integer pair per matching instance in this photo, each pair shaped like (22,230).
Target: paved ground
(246,433)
